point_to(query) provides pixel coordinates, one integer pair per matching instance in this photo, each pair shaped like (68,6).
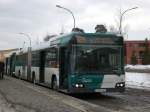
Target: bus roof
(62,40)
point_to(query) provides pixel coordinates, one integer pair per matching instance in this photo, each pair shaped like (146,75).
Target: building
(5,53)
(136,47)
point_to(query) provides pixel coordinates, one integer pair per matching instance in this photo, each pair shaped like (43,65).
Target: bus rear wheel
(33,77)
(54,83)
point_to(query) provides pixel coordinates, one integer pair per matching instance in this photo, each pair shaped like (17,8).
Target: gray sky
(41,17)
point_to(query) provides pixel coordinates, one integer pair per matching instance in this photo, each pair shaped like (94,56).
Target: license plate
(100,90)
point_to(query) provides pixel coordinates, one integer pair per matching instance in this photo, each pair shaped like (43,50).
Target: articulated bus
(74,63)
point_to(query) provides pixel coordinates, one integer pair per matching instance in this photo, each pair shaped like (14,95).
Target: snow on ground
(138,80)
(138,76)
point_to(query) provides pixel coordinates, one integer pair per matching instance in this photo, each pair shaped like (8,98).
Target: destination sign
(94,40)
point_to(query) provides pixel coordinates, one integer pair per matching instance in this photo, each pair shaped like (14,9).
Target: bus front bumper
(102,90)
(99,90)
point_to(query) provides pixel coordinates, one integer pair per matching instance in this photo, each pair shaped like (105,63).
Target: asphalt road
(21,96)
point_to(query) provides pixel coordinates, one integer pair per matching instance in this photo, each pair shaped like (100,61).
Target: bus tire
(33,77)
(19,74)
(54,83)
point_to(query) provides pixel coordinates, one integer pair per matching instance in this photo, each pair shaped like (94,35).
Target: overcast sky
(41,17)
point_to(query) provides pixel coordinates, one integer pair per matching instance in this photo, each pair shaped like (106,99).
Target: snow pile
(138,80)
(138,68)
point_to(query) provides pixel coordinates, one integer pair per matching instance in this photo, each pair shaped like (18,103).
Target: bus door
(42,67)
(63,67)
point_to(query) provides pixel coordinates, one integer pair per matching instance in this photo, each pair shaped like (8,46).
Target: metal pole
(69,12)
(26,36)
(121,17)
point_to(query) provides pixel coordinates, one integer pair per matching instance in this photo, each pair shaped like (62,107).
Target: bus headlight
(79,85)
(121,84)
(118,85)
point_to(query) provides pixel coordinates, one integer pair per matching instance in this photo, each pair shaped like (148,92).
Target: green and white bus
(76,63)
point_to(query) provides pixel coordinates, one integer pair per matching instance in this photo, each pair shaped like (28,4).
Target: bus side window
(51,58)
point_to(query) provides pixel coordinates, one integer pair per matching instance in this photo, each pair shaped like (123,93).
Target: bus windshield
(96,58)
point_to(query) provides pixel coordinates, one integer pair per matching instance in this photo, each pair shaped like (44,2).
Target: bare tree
(112,29)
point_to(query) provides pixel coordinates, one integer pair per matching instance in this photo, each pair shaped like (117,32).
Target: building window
(129,44)
(141,54)
(141,44)
(135,46)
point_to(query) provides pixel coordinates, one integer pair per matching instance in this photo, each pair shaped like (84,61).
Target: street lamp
(69,12)
(122,14)
(26,36)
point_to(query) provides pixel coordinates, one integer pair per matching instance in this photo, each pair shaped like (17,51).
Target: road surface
(133,100)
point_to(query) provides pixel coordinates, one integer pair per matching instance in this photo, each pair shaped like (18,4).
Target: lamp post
(121,17)
(29,60)
(69,12)
(26,36)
